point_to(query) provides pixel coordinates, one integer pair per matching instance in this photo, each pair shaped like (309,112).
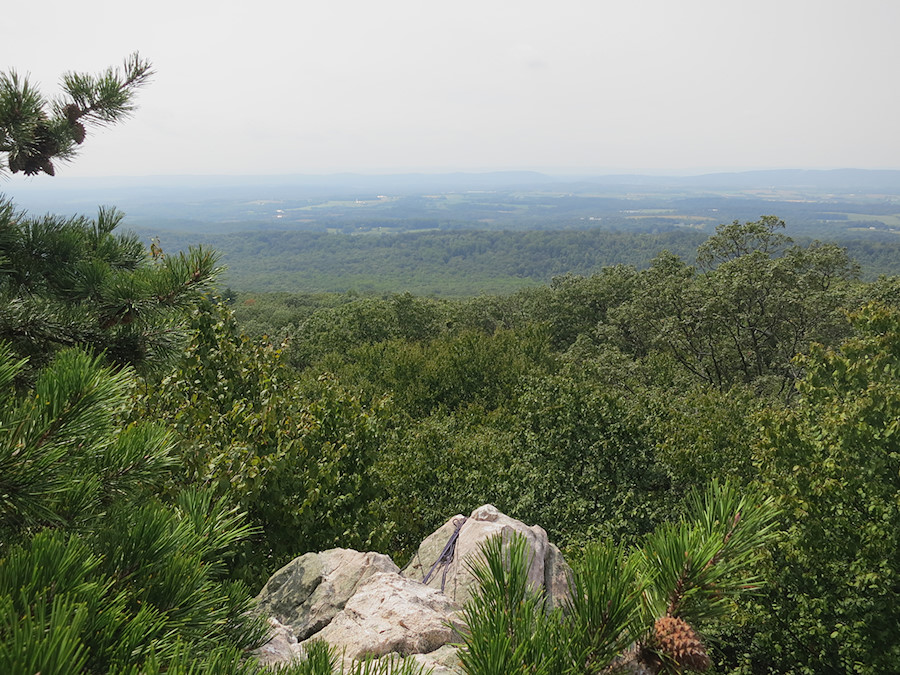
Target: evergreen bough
(35,131)
(98,572)
(75,282)
(630,610)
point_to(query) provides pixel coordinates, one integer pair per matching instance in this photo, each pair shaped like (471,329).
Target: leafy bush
(833,460)
(298,464)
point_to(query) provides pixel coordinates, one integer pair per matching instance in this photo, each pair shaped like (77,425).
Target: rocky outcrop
(282,646)
(361,604)
(548,570)
(392,614)
(442,661)
(308,592)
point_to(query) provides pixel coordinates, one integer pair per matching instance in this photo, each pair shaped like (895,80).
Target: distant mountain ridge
(834,179)
(838,179)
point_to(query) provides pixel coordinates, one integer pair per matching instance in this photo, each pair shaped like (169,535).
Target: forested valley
(713,441)
(164,451)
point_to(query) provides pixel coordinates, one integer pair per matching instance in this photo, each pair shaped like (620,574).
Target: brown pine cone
(78,132)
(674,638)
(73,112)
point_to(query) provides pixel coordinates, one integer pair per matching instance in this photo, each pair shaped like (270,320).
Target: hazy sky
(263,87)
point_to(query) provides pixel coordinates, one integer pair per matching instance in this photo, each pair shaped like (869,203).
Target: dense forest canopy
(712,438)
(461,263)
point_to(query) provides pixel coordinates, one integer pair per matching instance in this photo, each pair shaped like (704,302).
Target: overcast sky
(263,87)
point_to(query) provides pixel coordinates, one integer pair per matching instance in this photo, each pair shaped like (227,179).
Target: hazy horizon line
(549,172)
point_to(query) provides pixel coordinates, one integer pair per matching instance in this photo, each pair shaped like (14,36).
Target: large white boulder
(308,592)
(392,614)
(548,571)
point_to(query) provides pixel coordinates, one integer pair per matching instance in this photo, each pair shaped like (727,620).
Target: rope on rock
(446,556)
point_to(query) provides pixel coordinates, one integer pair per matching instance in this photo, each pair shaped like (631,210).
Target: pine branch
(106,98)
(33,136)
(705,562)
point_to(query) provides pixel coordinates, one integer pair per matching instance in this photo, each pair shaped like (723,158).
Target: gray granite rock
(392,614)
(548,570)
(282,646)
(308,592)
(363,606)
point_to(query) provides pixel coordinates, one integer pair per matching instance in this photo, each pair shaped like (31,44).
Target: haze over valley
(470,233)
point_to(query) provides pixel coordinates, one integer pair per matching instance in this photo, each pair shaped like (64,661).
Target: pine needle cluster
(98,573)
(630,610)
(34,131)
(74,281)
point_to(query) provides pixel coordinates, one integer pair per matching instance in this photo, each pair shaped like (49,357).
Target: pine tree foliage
(67,594)
(642,606)
(509,630)
(699,567)
(74,281)
(102,570)
(699,563)
(95,567)
(604,608)
(35,131)
(62,454)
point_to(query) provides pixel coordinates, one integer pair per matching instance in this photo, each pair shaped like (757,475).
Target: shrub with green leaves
(298,463)
(587,463)
(833,461)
